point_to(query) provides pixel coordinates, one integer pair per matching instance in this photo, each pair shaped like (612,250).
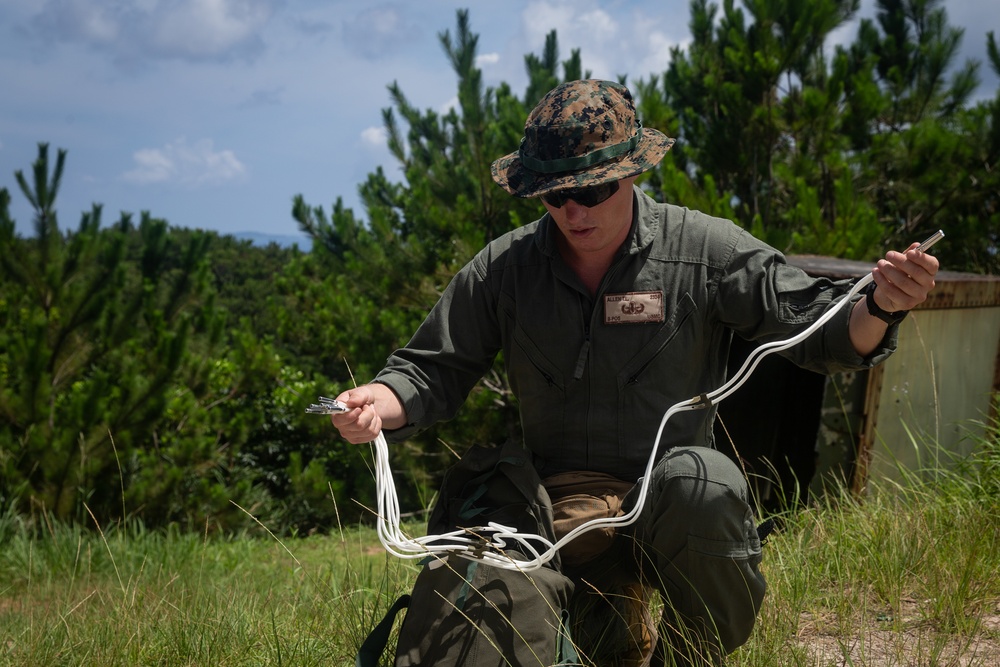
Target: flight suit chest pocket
(654,353)
(536,380)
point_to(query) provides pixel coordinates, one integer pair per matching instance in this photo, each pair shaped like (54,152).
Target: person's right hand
(361,423)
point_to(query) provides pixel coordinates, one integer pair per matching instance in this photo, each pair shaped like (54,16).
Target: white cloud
(614,38)
(656,59)
(598,24)
(205,28)
(575,23)
(376,32)
(153,166)
(187,164)
(538,19)
(152,29)
(580,25)
(486,59)
(374,136)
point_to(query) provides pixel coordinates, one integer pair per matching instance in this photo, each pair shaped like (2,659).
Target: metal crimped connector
(326,406)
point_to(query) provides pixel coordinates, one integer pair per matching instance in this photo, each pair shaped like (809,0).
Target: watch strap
(874,309)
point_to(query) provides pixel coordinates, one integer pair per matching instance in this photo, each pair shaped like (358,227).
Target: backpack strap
(374,645)
(566,652)
(463,594)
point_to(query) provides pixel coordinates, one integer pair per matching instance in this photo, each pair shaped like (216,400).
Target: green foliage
(242,277)
(978,475)
(92,345)
(846,154)
(125,391)
(158,372)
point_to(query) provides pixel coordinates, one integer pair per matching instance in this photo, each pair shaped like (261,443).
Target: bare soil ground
(883,640)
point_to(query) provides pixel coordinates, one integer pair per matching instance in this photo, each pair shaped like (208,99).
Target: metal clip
(326,406)
(701,402)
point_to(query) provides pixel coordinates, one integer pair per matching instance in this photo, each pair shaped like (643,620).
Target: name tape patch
(633,308)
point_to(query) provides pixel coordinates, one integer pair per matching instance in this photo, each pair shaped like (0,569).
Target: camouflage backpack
(463,612)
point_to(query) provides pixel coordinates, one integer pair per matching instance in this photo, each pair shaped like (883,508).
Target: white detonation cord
(487,544)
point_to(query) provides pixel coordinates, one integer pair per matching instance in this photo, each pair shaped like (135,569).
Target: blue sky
(214,113)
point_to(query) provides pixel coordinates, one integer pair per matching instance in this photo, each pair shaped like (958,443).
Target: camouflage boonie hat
(581,133)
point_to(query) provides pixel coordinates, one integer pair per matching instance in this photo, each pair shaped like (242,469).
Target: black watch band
(874,309)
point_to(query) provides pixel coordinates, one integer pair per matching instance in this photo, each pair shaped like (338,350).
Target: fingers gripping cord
(489,543)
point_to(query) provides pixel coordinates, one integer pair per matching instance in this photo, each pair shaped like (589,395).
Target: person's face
(600,228)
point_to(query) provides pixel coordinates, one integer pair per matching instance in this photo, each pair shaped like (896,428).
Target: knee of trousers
(698,490)
(698,532)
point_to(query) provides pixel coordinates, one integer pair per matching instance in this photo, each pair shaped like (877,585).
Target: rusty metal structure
(925,408)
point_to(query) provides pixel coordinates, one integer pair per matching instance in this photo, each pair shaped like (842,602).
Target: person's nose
(574,212)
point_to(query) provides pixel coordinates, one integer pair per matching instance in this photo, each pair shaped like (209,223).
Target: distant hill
(283,240)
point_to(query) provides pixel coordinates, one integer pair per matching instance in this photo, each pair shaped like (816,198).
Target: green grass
(133,597)
(900,579)
(910,575)
(907,575)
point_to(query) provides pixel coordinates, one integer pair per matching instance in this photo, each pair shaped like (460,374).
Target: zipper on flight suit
(582,358)
(581,361)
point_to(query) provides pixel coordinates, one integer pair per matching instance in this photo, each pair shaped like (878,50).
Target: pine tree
(91,344)
(846,154)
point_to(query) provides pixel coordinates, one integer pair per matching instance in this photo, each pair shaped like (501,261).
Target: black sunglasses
(588,197)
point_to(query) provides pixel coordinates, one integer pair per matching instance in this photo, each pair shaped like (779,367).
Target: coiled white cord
(489,543)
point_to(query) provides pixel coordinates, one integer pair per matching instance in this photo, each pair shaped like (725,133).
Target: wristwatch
(889,318)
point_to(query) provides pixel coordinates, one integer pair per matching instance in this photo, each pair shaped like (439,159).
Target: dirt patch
(10,605)
(901,638)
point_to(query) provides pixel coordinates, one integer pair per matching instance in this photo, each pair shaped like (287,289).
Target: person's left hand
(904,279)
